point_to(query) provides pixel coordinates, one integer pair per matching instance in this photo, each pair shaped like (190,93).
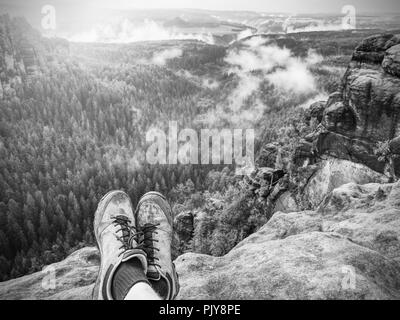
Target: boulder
(315,111)
(391,62)
(263,180)
(357,150)
(304,153)
(184,225)
(374,97)
(268,154)
(286,203)
(183,231)
(333,173)
(339,118)
(395,145)
(372,49)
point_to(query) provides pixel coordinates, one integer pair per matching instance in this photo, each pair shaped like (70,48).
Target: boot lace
(129,233)
(149,244)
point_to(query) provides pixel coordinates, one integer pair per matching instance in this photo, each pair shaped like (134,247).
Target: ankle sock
(160,286)
(126,276)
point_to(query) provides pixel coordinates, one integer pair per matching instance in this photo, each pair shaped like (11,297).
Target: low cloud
(254,63)
(319,26)
(124,31)
(161,58)
(203,81)
(294,77)
(244,34)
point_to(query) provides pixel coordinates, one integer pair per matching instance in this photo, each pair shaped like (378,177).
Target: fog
(124,31)
(160,58)
(256,61)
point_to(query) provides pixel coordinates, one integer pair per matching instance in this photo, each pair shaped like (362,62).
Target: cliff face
(348,248)
(366,109)
(23,53)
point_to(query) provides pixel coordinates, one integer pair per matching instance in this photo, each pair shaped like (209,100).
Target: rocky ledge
(348,248)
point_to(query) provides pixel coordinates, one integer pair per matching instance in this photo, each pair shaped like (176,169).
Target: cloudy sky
(289,6)
(77,16)
(306,6)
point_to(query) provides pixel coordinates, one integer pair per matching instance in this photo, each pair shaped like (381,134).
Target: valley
(323,104)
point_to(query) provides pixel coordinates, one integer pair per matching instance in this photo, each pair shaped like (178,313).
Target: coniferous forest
(69,135)
(73,122)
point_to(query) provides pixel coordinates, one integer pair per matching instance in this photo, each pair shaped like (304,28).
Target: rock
(315,111)
(268,154)
(333,173)
(310,254)
(352,149)
(286,203)
(304,154)
(74,279)
(373,93)
(335,97)
(184,226)
(183,229)
(339,118)
(391,62)
(263,180)
(375,100)
(364,112)
(312,265)
(372,49)
(372,216)
(395,145)
(347,249)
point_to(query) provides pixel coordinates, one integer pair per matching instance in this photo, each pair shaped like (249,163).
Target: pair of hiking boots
(144,234)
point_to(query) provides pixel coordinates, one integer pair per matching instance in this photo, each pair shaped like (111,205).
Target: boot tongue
(152,272)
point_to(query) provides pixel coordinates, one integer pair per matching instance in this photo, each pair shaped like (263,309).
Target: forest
(73,124)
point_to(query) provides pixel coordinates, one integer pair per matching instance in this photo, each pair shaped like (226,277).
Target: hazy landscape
(76,103)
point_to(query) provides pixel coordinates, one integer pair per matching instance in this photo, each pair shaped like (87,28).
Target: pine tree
(44,228)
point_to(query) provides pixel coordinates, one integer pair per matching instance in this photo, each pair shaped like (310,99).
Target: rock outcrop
(333,173)
(72,278)
(349,248)
(24,53)
(184,224)
(365,111)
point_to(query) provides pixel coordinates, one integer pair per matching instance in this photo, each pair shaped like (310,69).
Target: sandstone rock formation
(333,173)
(349,248)
(72,278)
(364,111)
(310,254)
(184,229)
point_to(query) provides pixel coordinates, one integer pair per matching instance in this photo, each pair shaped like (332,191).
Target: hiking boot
(116,236)
(154,220)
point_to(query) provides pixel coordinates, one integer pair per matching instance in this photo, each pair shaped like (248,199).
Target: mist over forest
(77,102)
